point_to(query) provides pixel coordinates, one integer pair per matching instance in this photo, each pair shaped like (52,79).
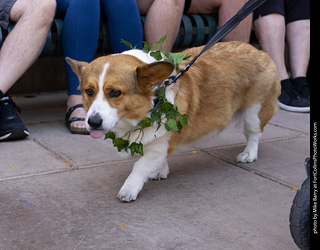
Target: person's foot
(291,100)
(11,126)
(303,87)
(76,119)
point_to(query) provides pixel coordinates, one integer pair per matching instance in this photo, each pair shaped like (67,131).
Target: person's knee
(45,10)
(38,11)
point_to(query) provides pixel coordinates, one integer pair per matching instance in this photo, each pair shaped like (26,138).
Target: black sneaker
(301,84)
(11,126)
(291,100)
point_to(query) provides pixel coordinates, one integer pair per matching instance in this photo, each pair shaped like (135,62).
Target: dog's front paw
(130,189)
(246,157)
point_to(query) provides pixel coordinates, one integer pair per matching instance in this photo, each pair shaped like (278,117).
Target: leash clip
(170,80)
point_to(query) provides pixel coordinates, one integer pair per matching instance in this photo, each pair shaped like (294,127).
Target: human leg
(124,22)
(24,43)
(226,10)
(270,27)
(298,35)
(298,38)
(79,39)
(20,49)
(162,17)
(270,31)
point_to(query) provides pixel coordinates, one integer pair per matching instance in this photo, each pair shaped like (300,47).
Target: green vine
(165,113)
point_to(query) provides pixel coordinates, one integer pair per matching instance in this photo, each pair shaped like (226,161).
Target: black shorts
(5,7)
(292,10)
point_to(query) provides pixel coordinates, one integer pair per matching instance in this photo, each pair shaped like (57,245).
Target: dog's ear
(77,67)
(149,75)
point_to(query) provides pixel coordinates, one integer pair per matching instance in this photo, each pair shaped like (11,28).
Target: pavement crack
(287,128)
(58,156)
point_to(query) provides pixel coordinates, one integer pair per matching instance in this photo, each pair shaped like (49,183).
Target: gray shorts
(5,7)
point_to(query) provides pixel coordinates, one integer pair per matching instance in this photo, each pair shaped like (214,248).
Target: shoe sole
(294,109)
(17,133)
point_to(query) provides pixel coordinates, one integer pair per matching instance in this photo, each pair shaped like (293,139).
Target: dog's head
(117,87)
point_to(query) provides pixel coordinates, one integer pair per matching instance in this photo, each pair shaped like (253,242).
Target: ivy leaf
(184,120)
(121,144)
(159,125)
(173,113)
(136,148)
(155,116)
(145,47)
(156,55)
(145,123)
(172,124)
(127,43)
(139,148)
(177,58)
(162,39)
(109,135)
(161,93)
(166,107)
(179,127)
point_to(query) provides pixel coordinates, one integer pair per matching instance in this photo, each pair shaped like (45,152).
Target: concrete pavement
(58,190)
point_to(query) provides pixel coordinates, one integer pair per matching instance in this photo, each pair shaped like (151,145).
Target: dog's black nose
(95,121)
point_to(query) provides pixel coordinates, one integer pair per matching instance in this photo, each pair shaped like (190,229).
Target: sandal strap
(69,112)
(76,119)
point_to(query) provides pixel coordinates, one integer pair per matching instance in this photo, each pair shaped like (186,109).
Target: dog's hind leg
(252,133)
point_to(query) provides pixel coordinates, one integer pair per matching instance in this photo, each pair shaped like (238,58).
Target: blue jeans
(80,29)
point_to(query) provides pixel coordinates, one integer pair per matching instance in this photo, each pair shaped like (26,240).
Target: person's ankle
(74,100)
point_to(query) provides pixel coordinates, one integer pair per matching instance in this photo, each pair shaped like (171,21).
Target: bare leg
(226,10)
(298,38)
(24,44)
(270,32)
(163,17)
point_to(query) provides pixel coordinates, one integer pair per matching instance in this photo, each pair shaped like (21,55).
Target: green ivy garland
(165,113)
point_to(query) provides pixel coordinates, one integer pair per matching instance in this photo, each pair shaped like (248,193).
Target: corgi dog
(231,79)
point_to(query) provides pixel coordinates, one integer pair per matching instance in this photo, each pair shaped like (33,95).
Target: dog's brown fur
(229,77)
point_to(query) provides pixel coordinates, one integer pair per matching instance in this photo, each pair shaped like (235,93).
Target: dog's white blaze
(101,106)
(101,78)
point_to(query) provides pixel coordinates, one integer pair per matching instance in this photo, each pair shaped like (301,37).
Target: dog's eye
(90,92)
(114,93)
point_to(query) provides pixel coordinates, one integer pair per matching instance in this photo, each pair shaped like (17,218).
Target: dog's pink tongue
(96,134)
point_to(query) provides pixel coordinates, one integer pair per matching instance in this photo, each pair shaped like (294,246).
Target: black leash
(247,9)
